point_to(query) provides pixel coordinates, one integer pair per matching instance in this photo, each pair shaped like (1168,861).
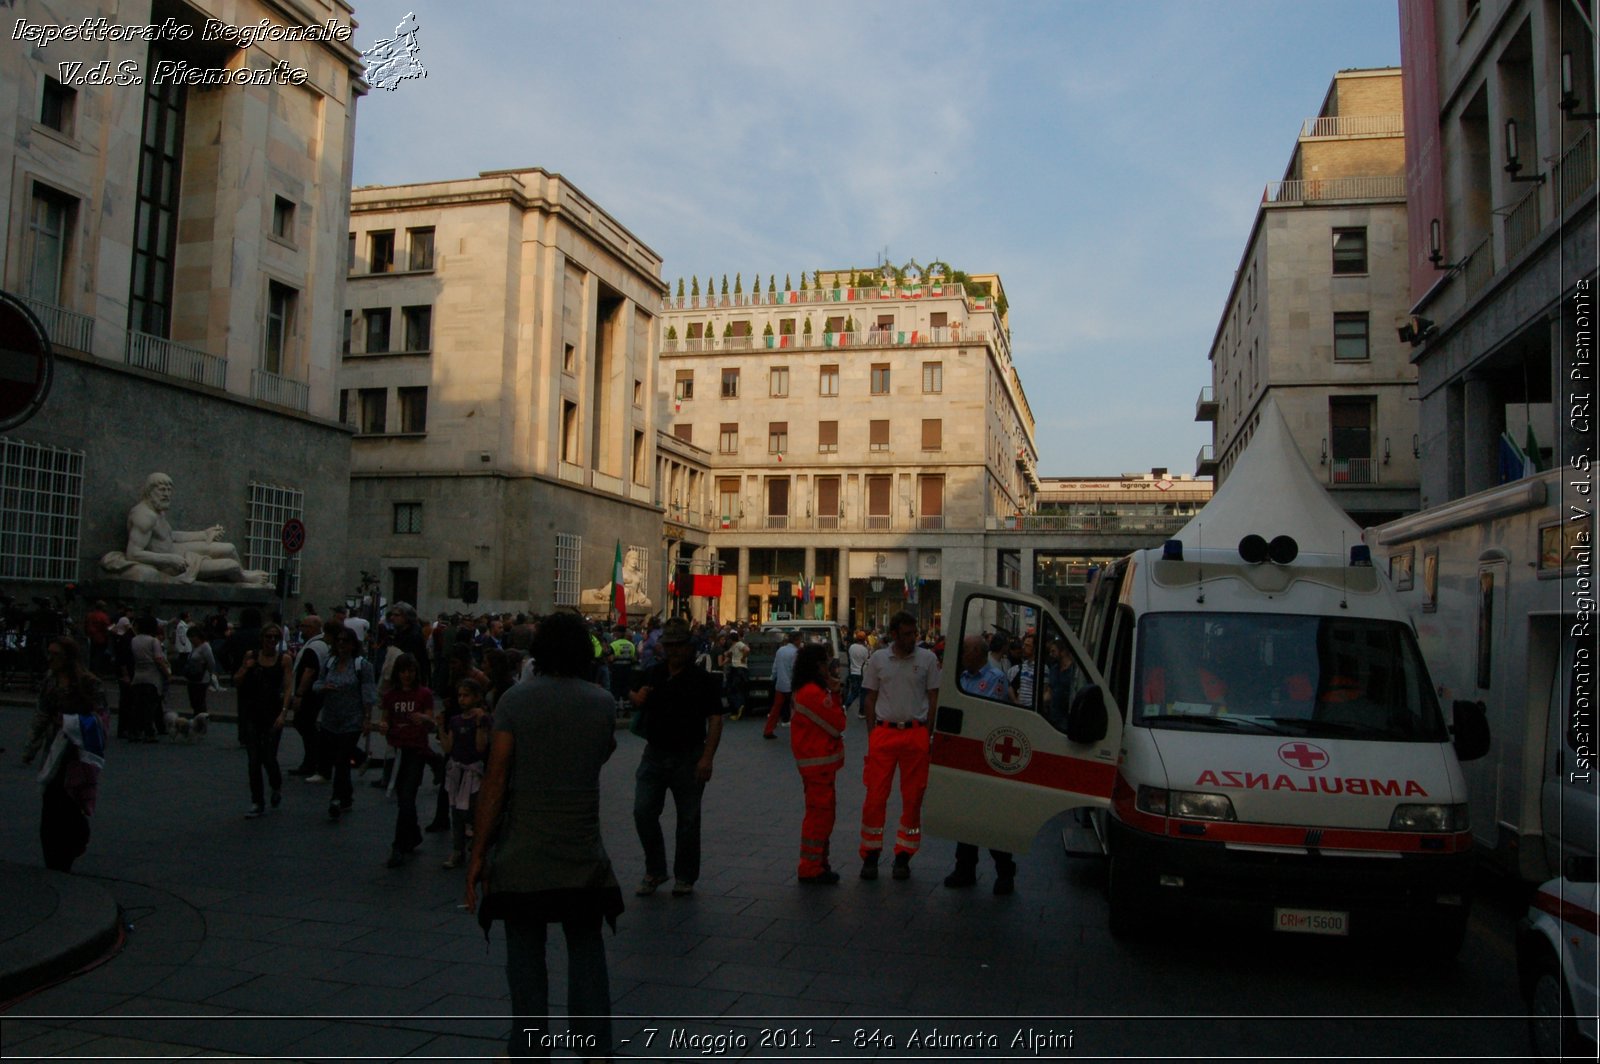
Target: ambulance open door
(1008,758)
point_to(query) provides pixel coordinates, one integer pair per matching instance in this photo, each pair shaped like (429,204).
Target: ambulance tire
(1128,890)
(1552,1025)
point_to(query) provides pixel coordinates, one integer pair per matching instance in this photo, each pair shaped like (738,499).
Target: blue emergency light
(1172,550)
(1361,555)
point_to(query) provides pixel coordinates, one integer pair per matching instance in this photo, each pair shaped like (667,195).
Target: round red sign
(294,535)
(25,362)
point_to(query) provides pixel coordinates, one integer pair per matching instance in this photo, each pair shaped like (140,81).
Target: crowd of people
(514,716)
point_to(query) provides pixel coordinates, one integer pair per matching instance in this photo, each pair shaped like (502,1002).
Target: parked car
(1556,965)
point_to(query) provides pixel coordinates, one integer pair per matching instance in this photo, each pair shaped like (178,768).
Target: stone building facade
(181,244)
(861,433)
(498,372)
(1311,316)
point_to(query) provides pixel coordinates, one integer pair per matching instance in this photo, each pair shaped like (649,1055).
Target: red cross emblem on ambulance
(1007,750)
(1303,756)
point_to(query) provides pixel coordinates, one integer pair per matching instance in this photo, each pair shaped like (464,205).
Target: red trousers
(821,805)
(889,749)
(780,702)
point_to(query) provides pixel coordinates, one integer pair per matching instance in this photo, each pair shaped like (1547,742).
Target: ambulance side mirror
(1471,729)
(1086,718)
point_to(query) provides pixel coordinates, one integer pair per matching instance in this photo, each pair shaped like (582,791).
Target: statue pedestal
(168,600)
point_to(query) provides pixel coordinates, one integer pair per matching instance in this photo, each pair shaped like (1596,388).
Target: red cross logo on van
(1303,756)
(1007,750)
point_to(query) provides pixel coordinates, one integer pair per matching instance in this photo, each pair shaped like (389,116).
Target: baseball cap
(675,631)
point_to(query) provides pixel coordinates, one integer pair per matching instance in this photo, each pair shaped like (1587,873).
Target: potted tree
(807,339)
(849,328)
(766,335)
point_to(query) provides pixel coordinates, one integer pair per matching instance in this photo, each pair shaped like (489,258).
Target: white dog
(189,727)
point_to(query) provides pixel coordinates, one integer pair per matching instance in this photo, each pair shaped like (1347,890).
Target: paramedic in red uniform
(816,735)
(902,685)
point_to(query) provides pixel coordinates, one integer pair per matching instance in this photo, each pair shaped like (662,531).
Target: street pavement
(287,938)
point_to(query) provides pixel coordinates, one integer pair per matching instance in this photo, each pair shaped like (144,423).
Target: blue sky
(1105,159)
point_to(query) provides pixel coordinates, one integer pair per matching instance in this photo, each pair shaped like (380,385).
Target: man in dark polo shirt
(682,708)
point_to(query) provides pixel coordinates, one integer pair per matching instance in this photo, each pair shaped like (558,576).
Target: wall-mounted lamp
(1416,330)
(1416,445)
(1513,164)
(1436,249)
(1569,102)
(1324,459)
(1386,450)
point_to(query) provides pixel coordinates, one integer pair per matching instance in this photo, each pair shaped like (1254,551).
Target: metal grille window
(408,518)
(41,506)
(569,558)
(270,506)
(457,576)
(639,558)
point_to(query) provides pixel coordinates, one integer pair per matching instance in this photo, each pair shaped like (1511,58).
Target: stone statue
(159,554)
(632,587)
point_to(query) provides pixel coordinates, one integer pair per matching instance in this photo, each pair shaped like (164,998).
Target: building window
(58,106)
(1350,439)
(1350,337)
(40,522)
(569,559)
(879,439)
(49,228)
(350,255)
(932,378)
(380,251)
(641,459)
(827,436)
(374,411)
(932,433)
(827,491)
(569,431)
(728,439)
(777,437)
(728,507)
(1350,250)
(878,493)
(778,382)
(283,219)
(270,507)
(457,576)
(828,381)
(930,502)
(377,330)
(421,250)
(569,359)
(346,415)
(684,431)
(413,409)
(349,325)
(408,518)
(155,226)
(683,385)
(777,502)
(281,300)
(419,327)
(730,384)
(880,378)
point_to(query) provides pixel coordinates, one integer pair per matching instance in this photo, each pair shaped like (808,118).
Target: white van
(1248,714)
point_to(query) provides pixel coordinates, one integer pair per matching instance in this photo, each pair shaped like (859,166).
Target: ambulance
(1245,719)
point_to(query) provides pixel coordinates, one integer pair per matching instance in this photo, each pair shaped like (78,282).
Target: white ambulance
(1248,715)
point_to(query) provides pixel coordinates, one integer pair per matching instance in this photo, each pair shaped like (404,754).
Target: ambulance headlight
(1191,805)
(1429,818)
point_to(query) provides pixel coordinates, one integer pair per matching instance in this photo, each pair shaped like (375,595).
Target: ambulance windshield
(1333,677)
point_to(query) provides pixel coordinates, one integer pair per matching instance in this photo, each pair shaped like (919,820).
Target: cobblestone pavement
(287,938)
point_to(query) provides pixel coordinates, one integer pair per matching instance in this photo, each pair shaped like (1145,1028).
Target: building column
(1026,560)
(841,591)
(744,584)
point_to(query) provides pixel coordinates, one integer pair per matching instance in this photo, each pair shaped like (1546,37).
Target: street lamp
(876,583)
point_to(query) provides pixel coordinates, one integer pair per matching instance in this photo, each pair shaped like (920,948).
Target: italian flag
(902,337)
(619,594)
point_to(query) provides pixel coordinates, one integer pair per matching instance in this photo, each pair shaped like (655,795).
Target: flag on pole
(1530,450)
(619,593)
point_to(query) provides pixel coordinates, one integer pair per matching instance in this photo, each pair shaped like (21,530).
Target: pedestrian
(263,683)
(181,644)
(199,671)
(148,680)
(537,848)
(902,685)
(68,688)
(407,722)
(97,627)
(736,659)
(817,739)
(349,691)
(857,656)
(304,702)
(1022,673)
(782,684)
(981,677)
(465,738)
(682,727)
(71,771)
(623,657)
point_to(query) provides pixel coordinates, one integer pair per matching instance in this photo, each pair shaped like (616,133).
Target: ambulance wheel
(1128,890)
(1552,1026)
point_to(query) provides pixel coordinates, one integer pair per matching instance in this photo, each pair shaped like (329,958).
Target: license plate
(1311,921)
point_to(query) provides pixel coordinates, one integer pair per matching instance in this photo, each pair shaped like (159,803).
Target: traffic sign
(294,535)
(26,362)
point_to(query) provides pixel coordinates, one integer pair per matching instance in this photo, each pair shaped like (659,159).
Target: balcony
(1205,461)
(872,337)
(813,296)
(1522,223)
(1354,126)
(1334,189)
(279,390)
(175,360)
(63,327)
(1574,173)
(1205,407)
(1352,471)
